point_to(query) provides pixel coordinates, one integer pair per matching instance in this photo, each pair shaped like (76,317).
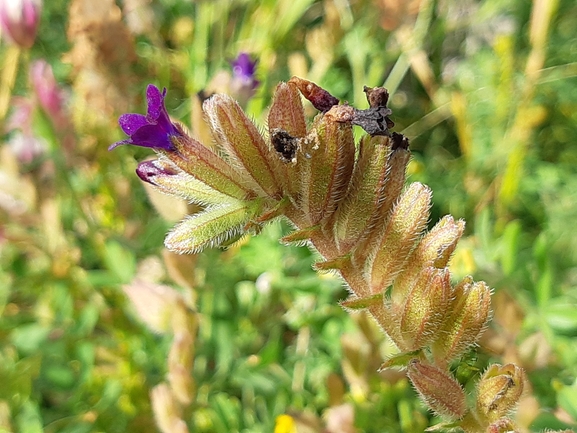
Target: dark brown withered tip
(319,97)
(285,144)
(375,120)
(377,96)
(399,141)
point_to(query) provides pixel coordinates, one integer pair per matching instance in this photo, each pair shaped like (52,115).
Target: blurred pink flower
(24,143)
(21,117)
(19,20)
(47,96)
(27,148)
(50,96)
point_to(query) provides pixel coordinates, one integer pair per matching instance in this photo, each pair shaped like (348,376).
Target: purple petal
(157,111)
(119,143)
(152,136)
(155,101)
(153,130)
(131,122)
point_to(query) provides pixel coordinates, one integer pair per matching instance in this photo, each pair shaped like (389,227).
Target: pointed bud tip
(376,96)
(148,170)
(321,99)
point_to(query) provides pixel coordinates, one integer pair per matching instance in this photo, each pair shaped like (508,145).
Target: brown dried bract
(319,97)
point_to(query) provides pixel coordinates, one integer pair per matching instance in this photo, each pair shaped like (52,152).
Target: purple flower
(243,83)
(153,130)
(244,68)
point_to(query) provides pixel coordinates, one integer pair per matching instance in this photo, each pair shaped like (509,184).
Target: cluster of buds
(349,203)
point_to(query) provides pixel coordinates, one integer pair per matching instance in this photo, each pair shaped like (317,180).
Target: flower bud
(440,391)
(400,234)
(19,20)
(468,315)
(499,390)
(171,180)
(434,249)
(202,163)
(212,227)
(388,194)
(369,178)
(326,165)
(424,308)
(242,141)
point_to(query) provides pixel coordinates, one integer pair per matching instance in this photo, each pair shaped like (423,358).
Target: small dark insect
(285,144)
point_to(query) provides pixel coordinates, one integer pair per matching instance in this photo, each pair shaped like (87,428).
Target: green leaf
(510,250)
(560,315)
(29,419)
(29,338)
(120,261)
(567,398)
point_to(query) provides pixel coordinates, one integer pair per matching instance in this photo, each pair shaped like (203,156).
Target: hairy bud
(499,390)
(468,315)
(438,388)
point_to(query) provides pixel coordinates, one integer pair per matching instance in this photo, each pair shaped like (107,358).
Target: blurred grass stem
(411,47)
(525,120)
(9,70)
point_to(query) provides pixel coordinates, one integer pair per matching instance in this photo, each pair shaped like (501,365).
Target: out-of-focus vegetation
(487,93)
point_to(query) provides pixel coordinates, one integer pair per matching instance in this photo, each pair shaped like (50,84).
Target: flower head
(19,20)
(153,130)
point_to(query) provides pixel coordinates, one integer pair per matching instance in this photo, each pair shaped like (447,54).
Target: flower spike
(349,202)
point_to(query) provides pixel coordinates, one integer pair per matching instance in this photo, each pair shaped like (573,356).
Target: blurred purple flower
(19,20)
(244,68)
(153,130)
(244,83)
